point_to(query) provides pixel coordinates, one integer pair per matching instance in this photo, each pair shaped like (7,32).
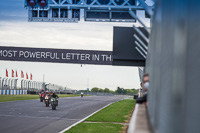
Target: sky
(15,30)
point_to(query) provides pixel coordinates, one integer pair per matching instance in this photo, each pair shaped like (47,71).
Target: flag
(6,73)
(22,74)
(16,74)
(13,73)
(26,76)
(31,77)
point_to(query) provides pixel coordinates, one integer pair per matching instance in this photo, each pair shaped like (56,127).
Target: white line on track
(83,119)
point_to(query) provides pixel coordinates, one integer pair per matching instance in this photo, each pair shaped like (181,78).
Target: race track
(31,116)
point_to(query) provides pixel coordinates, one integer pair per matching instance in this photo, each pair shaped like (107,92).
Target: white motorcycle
(54,103)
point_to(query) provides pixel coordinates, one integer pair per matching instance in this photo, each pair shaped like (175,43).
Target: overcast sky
(16,31)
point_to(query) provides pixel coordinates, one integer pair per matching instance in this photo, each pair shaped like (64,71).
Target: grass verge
(6,98)
(112,119)
(116,112)
(96,128)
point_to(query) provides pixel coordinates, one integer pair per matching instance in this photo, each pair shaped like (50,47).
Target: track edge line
(66,129)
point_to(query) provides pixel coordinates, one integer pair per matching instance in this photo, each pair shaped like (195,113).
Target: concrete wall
(174,67)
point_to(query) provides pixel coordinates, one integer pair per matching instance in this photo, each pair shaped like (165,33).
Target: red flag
(22,74)
(6,73)
(31,77)
(13,72)
(26,76)
(16,73)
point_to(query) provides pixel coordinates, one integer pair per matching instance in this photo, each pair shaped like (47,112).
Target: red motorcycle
(47,100)
(41,97)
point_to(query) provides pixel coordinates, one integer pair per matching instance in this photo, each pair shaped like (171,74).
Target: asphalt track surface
(31,116)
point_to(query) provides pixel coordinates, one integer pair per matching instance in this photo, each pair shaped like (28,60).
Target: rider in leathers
(55,96)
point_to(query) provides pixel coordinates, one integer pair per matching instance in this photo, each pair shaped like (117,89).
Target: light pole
(43,78)
(87,85)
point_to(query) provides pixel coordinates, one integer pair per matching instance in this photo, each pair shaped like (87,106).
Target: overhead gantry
(82,10)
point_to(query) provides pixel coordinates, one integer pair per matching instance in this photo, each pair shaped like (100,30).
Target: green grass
(96,128)
(6,98)
(116,112)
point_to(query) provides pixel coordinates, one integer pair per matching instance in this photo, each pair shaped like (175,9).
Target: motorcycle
(46,100)
(53,103)
(41,97)
(81,95)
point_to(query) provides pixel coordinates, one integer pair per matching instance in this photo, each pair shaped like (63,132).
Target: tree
(112,92)
(130,91)
(82,90)
(100,90)
(119,90)
(124,91)
(106,90)
(95,89)
(135,91)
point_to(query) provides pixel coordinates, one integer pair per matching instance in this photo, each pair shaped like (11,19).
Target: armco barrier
(13,92)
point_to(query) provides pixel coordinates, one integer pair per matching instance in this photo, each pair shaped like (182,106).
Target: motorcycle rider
(81,94)
(47,96)
(48,93)
(42,91)
(55,96)
(41,95)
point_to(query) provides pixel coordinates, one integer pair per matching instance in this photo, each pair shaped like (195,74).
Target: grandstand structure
(15,86)
(82,10)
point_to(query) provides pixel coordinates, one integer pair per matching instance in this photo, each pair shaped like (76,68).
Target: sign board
(56,55)
(124,52)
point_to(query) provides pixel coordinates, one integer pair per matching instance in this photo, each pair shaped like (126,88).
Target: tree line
(119,90)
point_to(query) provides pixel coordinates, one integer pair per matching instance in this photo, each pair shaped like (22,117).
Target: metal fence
(173,64)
